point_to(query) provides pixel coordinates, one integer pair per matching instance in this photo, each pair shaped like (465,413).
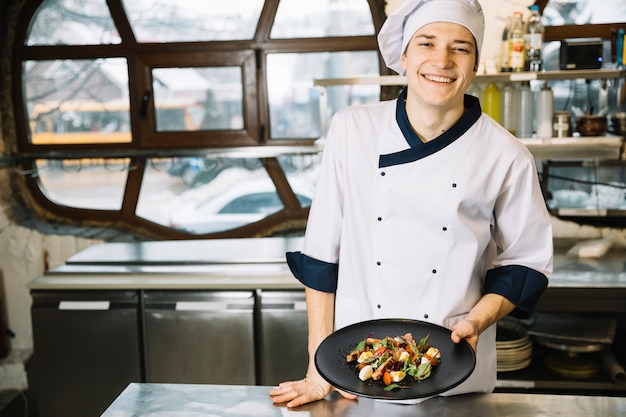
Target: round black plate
(457,360)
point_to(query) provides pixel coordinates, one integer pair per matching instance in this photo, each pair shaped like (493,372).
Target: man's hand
(489,309)
(465,329)
(309,389)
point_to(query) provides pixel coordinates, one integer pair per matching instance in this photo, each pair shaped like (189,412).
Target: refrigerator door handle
(200,306)
(295,306)
(210,306)
(84,305)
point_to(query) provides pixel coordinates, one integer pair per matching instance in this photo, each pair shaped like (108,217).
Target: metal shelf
(576,148)
(607,147)
(390,80)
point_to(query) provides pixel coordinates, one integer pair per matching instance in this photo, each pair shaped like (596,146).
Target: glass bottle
(533,40)
(508,108)
(544,112)
(474,90)
(504,48)
(491,101)
(525,110)
(516,43)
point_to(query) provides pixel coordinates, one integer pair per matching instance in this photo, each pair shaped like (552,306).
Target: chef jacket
(399,228)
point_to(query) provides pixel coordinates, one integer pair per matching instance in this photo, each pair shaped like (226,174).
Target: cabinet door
(283,353)
(86,350)
(199,337)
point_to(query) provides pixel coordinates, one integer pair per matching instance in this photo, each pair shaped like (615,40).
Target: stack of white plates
(514,347)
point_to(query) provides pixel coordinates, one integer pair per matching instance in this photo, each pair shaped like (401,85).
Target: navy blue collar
(419,149)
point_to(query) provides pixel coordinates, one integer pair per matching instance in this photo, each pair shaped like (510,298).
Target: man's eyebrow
(465,42)
(461,41)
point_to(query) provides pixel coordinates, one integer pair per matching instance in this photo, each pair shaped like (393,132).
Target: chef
(425,207)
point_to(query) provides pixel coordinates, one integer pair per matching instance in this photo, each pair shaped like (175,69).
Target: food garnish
(391,359)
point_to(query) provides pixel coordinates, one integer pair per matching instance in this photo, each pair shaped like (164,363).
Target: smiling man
(425,207)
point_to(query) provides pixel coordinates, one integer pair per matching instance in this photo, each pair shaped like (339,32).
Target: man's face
(439,62)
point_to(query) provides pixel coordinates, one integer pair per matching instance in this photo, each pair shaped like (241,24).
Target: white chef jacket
(399,228)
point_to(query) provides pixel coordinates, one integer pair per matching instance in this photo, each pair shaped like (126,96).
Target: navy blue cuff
(519,284)
(319,275)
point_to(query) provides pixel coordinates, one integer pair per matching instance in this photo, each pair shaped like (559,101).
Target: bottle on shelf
(504,48)
(544,111)
(491,101)
(525,111)
(516,43)
(474,90)
(533,41)
(508,108)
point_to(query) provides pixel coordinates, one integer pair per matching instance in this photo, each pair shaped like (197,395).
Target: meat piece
(354,355)
(382,368)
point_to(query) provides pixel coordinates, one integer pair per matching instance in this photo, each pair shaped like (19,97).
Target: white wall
(23,253)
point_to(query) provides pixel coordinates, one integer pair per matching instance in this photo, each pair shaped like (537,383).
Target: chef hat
(411,15)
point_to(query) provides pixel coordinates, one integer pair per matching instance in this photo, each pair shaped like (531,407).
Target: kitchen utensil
(616,123)
(572,365)
(561,125)
(457,360)
(573,329)
(591,125)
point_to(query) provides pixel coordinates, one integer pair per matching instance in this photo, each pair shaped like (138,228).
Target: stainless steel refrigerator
(86,350)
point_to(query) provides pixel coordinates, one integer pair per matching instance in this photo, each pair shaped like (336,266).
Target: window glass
(204,195)
(77,101)
(193,20)
(322,18)
(73,22)
(188,99)
(294,101)
(84,183)
(581,12)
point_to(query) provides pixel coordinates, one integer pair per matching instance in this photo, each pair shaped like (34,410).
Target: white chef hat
(411,15)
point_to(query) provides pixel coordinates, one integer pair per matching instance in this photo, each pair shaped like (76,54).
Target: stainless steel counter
(254,263)
(181,400)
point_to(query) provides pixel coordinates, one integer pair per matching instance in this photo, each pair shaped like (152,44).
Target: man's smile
(438,79)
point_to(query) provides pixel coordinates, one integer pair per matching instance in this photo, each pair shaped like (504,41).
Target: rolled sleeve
(521,285)
(313,273)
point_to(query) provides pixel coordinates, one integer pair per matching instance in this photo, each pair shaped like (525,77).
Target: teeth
(438,79)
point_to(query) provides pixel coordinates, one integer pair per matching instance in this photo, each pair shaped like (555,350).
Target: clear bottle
(525,108)
(533,40)
(544,112)
(516,43)
(508,108)
(504,49)
(491,101)
(474,90)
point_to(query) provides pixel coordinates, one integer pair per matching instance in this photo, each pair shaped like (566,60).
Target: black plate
(457,360)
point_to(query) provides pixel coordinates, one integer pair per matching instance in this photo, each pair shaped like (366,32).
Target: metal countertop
(183,400)
(254,263)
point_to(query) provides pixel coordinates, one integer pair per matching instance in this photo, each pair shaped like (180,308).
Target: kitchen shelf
(391,80)
(576,148)
(607,147)
(537,377)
